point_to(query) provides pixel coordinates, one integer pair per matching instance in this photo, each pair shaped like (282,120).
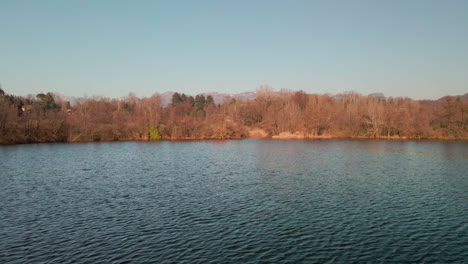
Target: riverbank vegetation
(285,114)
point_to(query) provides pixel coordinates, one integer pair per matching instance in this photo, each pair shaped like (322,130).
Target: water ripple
(240,202)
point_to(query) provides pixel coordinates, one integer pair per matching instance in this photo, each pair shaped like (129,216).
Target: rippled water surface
(250,201)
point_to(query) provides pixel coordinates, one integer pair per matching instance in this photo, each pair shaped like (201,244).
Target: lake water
(249,201)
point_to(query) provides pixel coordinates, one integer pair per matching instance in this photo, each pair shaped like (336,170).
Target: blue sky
(412,48)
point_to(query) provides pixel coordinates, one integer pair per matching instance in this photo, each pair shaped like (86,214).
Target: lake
(239,201)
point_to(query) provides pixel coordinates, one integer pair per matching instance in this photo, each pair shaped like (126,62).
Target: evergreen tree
(47,101)
(176,99)
(191,100)
(183,98)
(209,100)
(200,101)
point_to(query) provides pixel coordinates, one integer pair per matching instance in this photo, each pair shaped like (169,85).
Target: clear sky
(415,48)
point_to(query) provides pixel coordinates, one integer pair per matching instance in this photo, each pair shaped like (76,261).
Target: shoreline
(276,138)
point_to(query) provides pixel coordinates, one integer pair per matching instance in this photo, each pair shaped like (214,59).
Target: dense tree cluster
(49,118)
(199,102)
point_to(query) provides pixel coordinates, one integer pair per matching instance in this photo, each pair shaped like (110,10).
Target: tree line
(50,118)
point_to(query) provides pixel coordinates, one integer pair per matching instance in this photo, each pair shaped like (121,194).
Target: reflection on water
(448,148)
(249,201)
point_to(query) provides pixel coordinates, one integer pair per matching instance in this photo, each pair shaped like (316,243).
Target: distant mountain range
(219,98)
(444,99)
